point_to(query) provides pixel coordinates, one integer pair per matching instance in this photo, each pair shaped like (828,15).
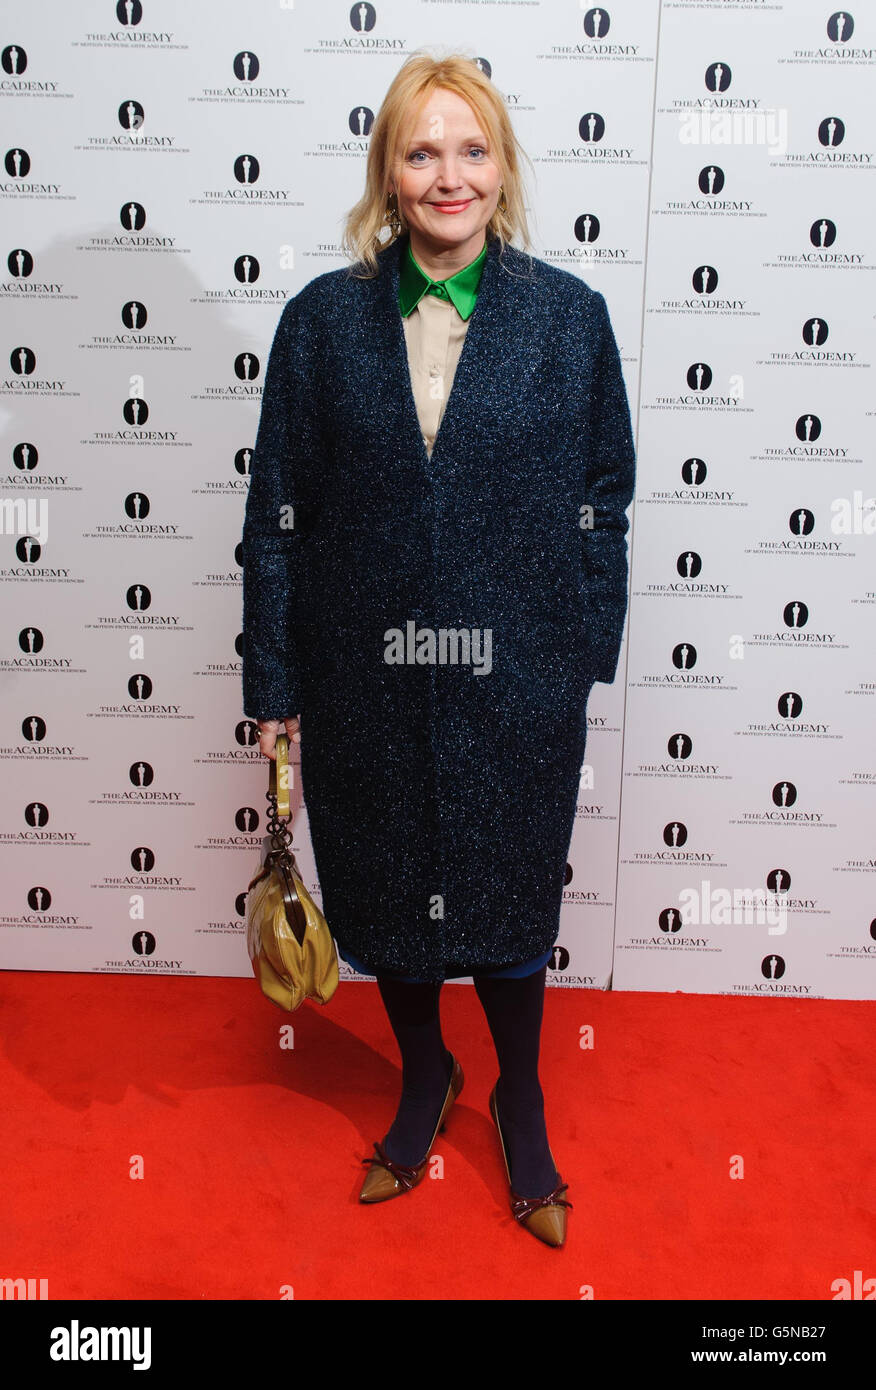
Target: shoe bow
(406,1177)
(525,1206)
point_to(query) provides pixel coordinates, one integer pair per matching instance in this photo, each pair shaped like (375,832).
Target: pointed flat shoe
(386,1178)
(544,1217)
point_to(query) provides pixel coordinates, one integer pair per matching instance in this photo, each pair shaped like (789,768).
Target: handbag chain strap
(277,797)
(280,854)
(278,829)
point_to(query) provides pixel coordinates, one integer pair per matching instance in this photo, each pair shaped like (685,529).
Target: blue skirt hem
(508,972)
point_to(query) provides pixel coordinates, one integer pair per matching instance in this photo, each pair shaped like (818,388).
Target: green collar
(461,289)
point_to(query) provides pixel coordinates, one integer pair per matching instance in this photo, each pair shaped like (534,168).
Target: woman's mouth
(448,208)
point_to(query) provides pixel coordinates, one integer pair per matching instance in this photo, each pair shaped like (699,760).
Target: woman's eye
(415,159)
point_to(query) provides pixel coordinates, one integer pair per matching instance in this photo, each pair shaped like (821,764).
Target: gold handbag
(291,948)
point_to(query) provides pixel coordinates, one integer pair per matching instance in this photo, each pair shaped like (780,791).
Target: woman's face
(447,164)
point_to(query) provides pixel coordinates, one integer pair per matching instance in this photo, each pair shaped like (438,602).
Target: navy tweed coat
(440,799)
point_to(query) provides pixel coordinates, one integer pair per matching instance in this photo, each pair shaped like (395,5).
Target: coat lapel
(492,372)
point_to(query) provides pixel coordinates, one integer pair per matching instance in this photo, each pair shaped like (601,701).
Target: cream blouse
(434,333)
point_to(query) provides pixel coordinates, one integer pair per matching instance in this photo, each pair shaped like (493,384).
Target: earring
(502,205)
(391,215)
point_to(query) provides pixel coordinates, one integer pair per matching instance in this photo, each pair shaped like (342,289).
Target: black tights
(513,1009)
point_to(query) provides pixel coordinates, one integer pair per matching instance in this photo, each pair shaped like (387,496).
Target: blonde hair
(415,81)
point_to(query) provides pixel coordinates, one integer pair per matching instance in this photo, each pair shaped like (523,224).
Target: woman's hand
(270,728)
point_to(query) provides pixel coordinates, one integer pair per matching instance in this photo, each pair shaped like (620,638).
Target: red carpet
(251,1154)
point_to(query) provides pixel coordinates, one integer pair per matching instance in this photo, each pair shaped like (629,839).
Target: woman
(432,580)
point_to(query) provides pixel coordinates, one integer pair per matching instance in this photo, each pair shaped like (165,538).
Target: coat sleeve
(609,484)
(273,551)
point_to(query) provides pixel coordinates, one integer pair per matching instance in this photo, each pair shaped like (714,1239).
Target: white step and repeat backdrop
(172,174)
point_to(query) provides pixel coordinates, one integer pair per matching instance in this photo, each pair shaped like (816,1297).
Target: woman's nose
(448,172)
